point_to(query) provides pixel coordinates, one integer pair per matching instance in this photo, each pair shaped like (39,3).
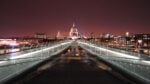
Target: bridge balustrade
(133,65)
(18,63)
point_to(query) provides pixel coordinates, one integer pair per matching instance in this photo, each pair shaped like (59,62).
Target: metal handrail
(136,67)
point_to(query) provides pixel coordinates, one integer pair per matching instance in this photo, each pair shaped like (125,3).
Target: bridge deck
(74,71)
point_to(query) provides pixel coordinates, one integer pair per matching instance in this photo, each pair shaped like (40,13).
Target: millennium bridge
(74,62)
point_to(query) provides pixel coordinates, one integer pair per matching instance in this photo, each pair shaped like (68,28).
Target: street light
(127,35)
(139,42)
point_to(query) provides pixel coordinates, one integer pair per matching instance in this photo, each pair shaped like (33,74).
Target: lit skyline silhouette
(26,17)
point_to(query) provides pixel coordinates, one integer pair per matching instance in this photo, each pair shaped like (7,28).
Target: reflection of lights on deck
(77,54)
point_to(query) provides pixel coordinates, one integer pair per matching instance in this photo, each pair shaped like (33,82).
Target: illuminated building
(40,35)
(59,36)
(73,34)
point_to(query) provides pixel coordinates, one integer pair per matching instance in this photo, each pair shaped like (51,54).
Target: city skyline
(26,17)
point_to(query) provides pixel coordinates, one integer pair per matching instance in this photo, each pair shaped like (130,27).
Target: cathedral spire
(73,25)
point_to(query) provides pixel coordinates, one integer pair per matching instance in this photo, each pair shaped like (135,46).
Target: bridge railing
(138,68)
(16,64)
(7,56)
(142,56)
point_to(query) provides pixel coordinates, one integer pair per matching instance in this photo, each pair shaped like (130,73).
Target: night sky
(26,17)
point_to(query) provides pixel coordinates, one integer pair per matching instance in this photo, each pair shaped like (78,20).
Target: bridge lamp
(126,39)
(140,42)
(127,34)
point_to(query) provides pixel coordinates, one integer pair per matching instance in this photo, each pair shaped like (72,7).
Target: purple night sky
(26,17)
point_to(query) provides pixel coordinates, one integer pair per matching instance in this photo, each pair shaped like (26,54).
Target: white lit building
(74,34)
